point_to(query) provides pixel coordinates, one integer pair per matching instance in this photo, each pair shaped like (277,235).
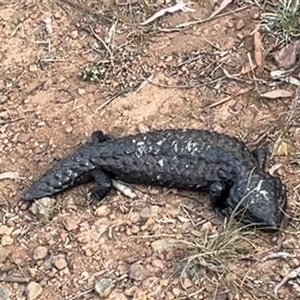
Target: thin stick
(253,72)
(111,99)
(186,86)
(15,279)
(210,19)
(228,98)
(103,43)
(11,121)
(81,294)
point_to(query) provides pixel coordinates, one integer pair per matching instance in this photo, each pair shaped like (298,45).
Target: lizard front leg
(219,192)
(260,155)
(102,187)
(99,137)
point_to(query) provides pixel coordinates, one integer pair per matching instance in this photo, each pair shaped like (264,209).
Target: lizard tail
(68,172)
(64,175)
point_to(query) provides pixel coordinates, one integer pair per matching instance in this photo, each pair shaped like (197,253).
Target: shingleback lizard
(196,160)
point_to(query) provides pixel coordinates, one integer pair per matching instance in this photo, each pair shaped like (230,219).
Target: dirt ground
(49,104)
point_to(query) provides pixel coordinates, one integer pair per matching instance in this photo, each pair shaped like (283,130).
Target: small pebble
(43,208)
(74,34)
(23,137)
(69,129)
(6,240)
(33,290)
(230,24)
(5,230)
(57,15)
(176,292)
(33,68)
(40,252)
(102,211)
(240,24)
(158,263)
(88,252)
(187,283)
(135,229)
(59,262)
(142,128)
(81,91)
(146,213)
(138,272)
(134,217)
(71,223)
(169,58)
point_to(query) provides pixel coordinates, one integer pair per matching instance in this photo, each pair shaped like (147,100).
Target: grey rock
(4,292)
(48,264)
(138,272)
(104,286)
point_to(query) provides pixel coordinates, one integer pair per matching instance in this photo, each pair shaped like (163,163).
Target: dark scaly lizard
(189,159)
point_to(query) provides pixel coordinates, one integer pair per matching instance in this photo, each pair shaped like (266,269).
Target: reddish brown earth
(46,110)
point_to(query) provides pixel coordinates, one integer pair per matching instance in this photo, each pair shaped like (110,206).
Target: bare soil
(47,110)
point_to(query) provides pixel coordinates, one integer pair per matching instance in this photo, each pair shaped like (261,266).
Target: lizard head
(260,199)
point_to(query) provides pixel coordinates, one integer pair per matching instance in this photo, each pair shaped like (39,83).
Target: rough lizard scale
(187,159)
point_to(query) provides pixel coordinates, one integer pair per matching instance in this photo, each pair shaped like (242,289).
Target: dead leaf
(277,94)
(247,68)
(287,56)
(275,169)
(9,175)
(283,149)
(220,8)
(258,49)
(284,76)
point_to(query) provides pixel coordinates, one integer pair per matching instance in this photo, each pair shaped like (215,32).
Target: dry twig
(198,22)
(228,98)
(15,279)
